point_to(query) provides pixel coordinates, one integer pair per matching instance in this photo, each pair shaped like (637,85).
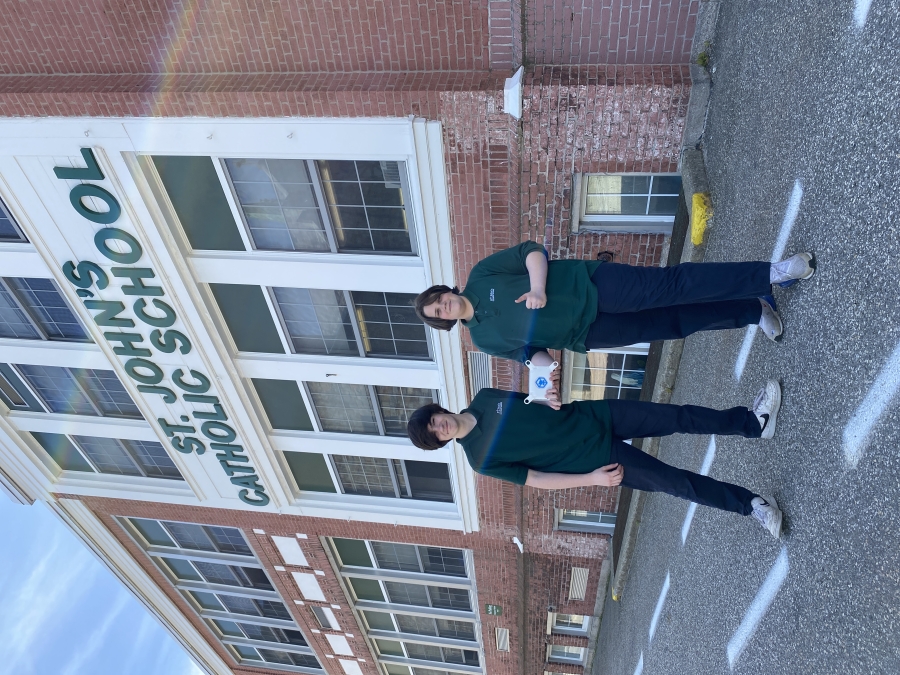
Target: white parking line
(640,665)
(787,224)
(760,605)
(860,426)
(659,606)
(861,12)
(704,471)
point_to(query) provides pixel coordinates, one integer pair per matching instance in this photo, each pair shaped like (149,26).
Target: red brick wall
(574,32)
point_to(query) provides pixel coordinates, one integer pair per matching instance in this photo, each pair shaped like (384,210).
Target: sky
(62,612)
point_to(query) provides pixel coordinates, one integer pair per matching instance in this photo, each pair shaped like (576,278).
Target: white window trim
(582,222)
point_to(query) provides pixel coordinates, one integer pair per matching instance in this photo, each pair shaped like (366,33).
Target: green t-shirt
(508,329)
(510,437)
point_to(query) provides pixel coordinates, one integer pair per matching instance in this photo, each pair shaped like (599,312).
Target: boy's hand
(534,299)
(553,399)
(610,475)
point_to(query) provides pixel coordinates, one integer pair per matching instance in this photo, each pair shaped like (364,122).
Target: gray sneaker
(770,322)
(766,406)
(766,511)
(789,271)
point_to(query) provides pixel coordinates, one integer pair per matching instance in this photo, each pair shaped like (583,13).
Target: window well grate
(479,372)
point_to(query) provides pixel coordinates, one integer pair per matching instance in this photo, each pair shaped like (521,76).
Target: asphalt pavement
(802,149)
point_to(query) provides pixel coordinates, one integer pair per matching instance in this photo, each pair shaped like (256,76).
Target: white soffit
(290,551)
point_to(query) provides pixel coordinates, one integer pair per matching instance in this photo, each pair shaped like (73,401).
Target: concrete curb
(694,180)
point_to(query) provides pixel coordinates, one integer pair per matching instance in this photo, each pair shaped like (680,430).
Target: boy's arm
(608,476)
(536,264)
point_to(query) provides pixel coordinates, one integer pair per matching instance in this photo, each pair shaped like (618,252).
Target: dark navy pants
(639,419)
(642,304)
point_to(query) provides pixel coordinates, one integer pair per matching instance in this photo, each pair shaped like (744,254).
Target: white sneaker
(770,322)
(766,511)
(766,406)
(791,270)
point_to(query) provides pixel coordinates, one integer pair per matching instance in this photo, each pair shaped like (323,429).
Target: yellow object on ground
(700,213)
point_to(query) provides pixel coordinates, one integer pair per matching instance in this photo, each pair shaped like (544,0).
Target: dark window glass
(317,321)
(9,231)
(182,569)
(449,561)
(196,193)
(458,630)
(248,318)
(190,536)
(449,598)
(240,605)
(407,594)
(283,404)
(47,306)
(153,459)
(367,589)
(273,610)
(62,451)
(429,481)
(207,600)
(310,470)
(352,552)
(398,403)
(419,625)
(424,652)
(345,408)
(389,326)
(396,556)
(14,322)
(58,389)
(152,531)
(379,621)
(229,540)
(107,392)
(108,455)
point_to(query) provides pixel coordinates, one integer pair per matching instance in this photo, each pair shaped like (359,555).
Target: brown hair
(417,427)
(430,296)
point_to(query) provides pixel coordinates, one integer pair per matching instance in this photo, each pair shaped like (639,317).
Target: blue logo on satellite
(541,382)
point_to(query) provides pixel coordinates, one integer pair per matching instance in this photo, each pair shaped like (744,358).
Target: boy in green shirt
(555,446)
(516,304)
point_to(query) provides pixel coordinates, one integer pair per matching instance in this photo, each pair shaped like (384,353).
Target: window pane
(62,451)
(107,391)
(58,389)
(424,652)
(289,218)
(13,321)
(345,408)
(364,475)
(366,206)
(310,470)
(239,605)
(228,628)
(49,308)
(663,206)
(390,647)
(616,205)
(379,621)
(229,540)
(247,652)
(438,560)
(407,594)
(317,321)
(152,532)
(352,552)
(396,556)
(305,660)
(398,403)
(367,589)
(283,404)
(248,318)
(207,600)
(108,455)
(419,625)
(215,573)
(449,598)
(389,326)
(182,569)
(273,610)
(8,229)
(458,630)
(429,481)
(666,185)
(154,459)
(190,536)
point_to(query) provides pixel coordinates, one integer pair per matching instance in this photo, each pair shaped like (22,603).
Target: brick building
(214,215)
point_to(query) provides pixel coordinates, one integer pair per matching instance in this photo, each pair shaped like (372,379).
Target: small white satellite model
(539,381)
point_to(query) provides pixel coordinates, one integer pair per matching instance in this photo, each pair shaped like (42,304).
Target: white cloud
(98,638)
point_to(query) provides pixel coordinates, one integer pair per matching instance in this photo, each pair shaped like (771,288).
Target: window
(570,624)
(79,391)
(108,455)
(366,409)
(9,229)
(351,323)
(214,568)
(603,375)
(566,654)
(398,478)
(326,206)
(574,520)
(34,309)
(326,618)
(409,579)
(627,202)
